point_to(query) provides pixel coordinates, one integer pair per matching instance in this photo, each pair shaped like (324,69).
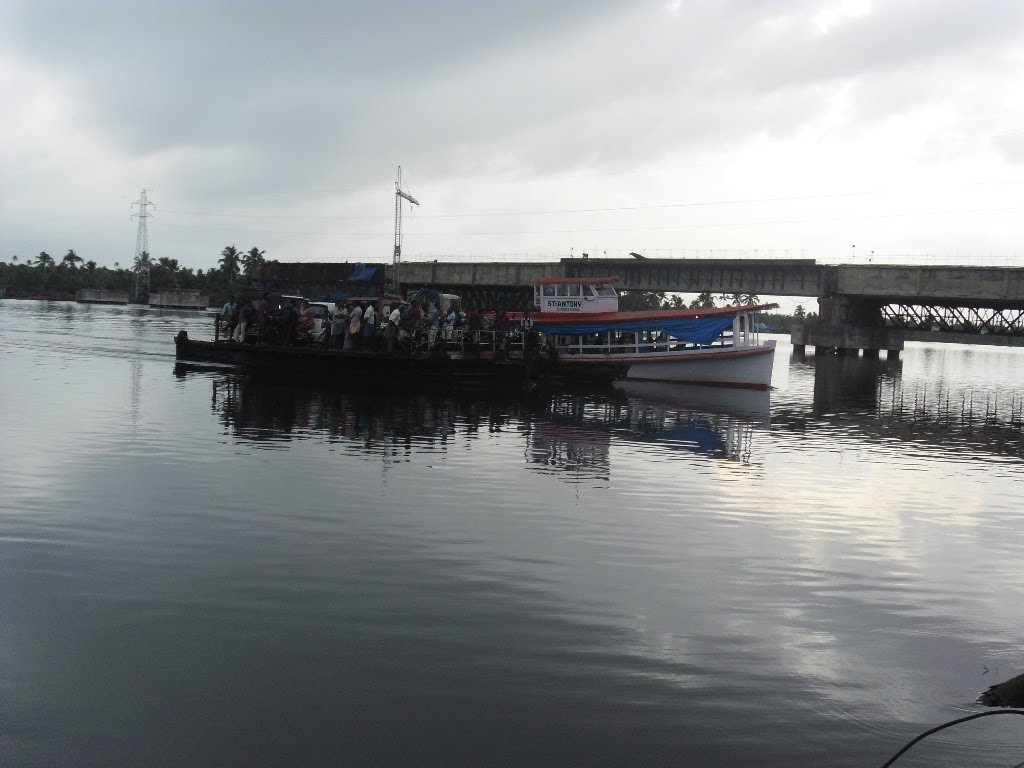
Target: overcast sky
(689,127)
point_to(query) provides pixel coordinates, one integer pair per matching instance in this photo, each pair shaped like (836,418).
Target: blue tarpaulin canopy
(362,273)
(699,330)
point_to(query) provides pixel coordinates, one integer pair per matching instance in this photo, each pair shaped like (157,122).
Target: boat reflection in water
(754,403)
(569,434)
(578,431)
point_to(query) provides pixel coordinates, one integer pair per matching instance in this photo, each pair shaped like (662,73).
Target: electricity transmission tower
(396,281)
(140,282)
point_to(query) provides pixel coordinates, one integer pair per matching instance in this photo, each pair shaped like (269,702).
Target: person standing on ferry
(246,317)
(435,325)
(369,325)
(229,316)
(394,320)
(339,319)
(449,324)
(263,317)
(355,326)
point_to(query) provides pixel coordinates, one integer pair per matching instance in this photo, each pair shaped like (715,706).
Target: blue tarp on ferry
(701,330)
(363,273)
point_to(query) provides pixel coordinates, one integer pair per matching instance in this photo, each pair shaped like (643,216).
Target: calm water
(199,569)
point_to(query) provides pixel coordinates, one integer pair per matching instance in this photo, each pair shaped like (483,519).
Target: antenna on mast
(140,283)
(400,194)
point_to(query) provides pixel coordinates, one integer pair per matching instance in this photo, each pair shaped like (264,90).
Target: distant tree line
(637,300)
(45,277)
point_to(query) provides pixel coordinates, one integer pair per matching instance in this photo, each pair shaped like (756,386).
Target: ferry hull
(749,367)
(488,368)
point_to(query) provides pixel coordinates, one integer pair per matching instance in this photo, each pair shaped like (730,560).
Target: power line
(579,230)
(555,211)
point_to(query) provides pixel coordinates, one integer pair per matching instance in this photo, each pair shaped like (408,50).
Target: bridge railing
(860,257)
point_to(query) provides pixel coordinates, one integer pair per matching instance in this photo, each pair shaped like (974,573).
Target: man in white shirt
(369,325)
(393,320)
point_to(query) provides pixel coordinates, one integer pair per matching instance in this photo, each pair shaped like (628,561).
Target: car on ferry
(322,312)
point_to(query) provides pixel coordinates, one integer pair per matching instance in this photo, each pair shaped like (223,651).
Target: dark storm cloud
(303,107)
(295,81)
(294,92)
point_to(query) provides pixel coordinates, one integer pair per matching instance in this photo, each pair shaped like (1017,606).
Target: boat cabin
(576,294)
(581,316)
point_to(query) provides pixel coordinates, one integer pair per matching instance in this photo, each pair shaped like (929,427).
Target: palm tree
(634,300)
(143,261)
(735,299)
(252,263)
(90,270)
(229,261)
(171,265)
(703,301)
(44,262)
(68,265)
(750,299)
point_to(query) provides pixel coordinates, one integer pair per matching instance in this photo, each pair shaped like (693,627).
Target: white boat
(720,346)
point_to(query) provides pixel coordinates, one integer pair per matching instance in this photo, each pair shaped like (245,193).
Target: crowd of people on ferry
(357,325)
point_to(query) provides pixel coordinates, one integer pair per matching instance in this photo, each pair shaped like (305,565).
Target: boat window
(574,290)
(563,290)
(604,289)
(549,290)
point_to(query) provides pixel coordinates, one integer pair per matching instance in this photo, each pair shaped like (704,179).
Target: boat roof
(577,280)
(613,318)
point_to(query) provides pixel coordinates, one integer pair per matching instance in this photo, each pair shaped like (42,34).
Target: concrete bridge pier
(847,325)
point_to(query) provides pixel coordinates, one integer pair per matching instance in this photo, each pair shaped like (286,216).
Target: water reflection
(221,571)
(934,411)
(844,382)
(567,434)
(873,398)
(579,430)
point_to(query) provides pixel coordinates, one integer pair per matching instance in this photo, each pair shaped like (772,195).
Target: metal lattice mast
(396,278)
(141,264)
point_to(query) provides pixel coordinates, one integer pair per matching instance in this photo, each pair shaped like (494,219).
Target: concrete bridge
(861,307)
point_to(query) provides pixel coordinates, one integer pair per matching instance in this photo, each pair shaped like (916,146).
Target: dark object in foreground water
(944,726)
(1009,693)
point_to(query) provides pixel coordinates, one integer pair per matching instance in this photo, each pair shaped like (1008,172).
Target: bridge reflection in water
(872,397)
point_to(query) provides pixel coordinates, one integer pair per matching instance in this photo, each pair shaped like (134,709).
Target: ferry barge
(579,337)
(469,364)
